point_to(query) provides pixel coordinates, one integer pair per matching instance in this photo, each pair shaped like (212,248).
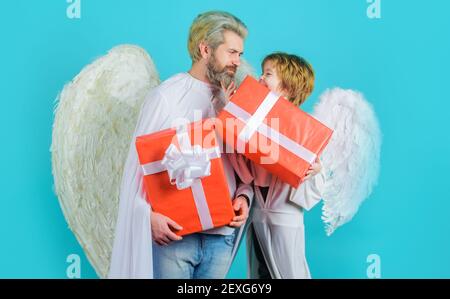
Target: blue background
(400,62)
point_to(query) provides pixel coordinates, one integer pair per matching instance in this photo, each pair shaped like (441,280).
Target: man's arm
(244,191)
(154,117)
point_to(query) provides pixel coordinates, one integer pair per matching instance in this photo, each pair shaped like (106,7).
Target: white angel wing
(243,70)
(94,122)
(351,160)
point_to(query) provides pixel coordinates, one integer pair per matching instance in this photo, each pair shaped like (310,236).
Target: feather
(351,161)
(95,116)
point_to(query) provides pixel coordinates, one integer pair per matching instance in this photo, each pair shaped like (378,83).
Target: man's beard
(218,76)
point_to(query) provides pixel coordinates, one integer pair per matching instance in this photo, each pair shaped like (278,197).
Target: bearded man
(145,244)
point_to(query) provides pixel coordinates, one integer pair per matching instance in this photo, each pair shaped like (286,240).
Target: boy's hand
(162,229)
(228,91)
(314,169)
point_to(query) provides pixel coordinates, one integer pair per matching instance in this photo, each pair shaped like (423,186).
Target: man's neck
(198,71)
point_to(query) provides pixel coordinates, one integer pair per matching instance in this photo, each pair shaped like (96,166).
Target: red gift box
(184,178)
(272,132)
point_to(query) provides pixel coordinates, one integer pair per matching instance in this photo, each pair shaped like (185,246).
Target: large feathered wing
(95,117)
(351,160)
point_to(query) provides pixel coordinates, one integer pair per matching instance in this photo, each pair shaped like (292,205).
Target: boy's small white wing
(244,70)
(95,117)
(351,160)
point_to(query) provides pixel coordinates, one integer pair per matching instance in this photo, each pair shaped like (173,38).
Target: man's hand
(162,233)
(314,169)
(240,207)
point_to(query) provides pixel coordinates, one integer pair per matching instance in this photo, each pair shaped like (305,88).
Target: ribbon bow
(187,165)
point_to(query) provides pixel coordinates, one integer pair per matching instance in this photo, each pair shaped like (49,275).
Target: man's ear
(205,50)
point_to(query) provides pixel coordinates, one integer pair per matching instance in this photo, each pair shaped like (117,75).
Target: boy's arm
(309,193)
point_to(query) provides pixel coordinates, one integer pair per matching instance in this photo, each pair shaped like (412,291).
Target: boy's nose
(261,80)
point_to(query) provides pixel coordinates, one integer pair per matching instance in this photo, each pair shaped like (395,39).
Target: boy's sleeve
(309,193)
(244,177)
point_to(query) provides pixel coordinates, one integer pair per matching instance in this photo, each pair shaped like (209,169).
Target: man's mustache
(231,68)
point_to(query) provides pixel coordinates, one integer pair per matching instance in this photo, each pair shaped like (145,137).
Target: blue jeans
(196,256)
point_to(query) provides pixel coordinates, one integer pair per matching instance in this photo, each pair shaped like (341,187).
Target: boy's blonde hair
(295,73)
(209,28)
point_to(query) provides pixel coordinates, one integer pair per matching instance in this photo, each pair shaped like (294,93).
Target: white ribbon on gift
(186,167)
(255,123)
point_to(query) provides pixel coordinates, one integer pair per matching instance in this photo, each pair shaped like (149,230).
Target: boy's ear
(284,93)
(281,90)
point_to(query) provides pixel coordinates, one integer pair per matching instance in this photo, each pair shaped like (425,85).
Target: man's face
(224,61)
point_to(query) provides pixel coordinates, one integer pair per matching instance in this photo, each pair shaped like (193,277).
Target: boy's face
(270,78)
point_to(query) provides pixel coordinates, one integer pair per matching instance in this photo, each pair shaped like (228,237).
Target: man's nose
(237,61)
